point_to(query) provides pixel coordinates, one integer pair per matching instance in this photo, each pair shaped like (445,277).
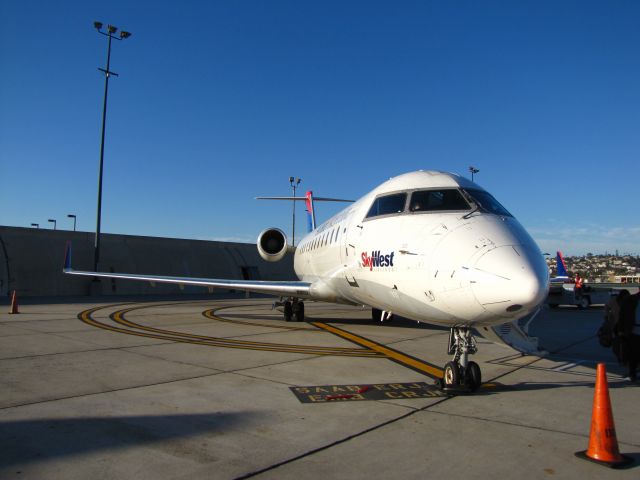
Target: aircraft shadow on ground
(399,322)
(32,441)
(588,360)
(530,386)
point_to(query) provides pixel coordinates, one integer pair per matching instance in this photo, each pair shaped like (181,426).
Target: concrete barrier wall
(31,262)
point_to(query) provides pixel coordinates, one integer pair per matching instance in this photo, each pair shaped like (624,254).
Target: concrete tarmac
(206,387)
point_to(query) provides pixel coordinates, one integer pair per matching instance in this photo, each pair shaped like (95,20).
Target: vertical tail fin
(562,267)
(311,214)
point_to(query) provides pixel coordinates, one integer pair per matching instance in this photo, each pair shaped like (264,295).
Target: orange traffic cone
(14,303)
(603,444)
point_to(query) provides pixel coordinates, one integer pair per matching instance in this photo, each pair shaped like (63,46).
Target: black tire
(376,315)
(451,375)
(298,312)
(288,311)
(584,303)
(473,376)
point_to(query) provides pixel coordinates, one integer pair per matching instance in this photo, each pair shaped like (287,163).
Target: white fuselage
(448,267)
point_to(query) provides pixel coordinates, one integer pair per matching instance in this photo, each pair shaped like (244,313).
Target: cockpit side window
(487,203)
(438,200)
(388,205)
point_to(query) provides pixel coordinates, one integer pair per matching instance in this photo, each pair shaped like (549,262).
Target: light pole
(74,221)
(294,185)
(37,225)
(53,220)
(110,34)
(473,170)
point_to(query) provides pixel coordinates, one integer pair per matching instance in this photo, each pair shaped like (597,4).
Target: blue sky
(220,101)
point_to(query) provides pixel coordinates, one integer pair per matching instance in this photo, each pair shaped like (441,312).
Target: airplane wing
(285,288)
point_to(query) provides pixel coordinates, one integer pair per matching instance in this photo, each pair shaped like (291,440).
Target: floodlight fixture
(74,220)
(112,29)
(124,34)
(98,25)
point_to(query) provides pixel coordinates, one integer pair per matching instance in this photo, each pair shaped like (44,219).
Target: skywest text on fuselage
(377,259)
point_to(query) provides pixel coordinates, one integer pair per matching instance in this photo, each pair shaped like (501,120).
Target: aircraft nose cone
(510,281)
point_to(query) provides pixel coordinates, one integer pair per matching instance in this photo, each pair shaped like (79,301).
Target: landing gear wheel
(451,375)
(458,378)
(473,376)
(376,315)
(298,312)
(288,311)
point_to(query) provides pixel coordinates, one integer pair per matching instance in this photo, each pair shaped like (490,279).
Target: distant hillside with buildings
(601,268)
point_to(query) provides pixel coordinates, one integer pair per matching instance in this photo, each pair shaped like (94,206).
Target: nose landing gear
(460,374)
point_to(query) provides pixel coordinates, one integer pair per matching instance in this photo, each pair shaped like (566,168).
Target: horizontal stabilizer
(309,199)
(315,199)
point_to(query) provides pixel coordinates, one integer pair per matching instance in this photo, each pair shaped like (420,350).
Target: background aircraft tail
(561,266)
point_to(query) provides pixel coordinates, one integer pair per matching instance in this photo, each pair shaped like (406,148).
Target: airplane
(429,246)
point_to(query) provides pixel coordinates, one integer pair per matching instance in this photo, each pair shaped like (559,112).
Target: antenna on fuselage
(309,200)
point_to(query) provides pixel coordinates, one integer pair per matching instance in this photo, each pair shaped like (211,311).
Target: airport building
(31,262)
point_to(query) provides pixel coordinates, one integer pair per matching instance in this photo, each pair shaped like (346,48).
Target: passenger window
(437,200)
(388,205)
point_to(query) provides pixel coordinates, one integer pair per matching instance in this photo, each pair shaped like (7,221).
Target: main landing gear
(293,310)
(460,374)
(381,315)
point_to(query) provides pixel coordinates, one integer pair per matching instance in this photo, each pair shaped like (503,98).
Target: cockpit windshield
(487,203)
(388,205)
(437,201)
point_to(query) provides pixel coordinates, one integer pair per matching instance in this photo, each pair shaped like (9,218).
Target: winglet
(67,258)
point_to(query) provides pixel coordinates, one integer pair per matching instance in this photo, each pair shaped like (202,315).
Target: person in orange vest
(577,289)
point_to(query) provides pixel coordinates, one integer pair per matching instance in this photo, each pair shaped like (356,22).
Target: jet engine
(272,244)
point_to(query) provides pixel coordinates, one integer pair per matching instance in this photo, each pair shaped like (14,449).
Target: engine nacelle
(272,244)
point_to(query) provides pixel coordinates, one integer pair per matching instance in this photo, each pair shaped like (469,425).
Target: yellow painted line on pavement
(398,357)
